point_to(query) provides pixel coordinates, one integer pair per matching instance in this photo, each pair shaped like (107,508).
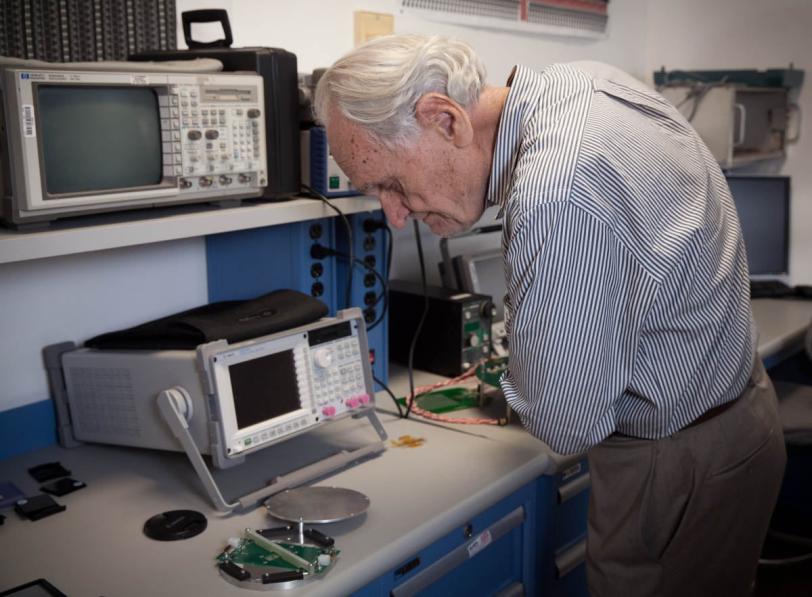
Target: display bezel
(30,170)
(182,181)
(233,437)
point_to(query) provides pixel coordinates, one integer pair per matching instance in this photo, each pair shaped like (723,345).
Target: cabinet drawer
(572,506)
(570,571)
(484,564)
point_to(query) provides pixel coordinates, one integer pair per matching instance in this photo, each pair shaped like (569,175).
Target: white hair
(379,83)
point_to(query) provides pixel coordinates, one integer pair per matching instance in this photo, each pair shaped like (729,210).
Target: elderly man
(629,320)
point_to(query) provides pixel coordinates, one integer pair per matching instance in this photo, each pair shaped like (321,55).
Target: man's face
(431,179)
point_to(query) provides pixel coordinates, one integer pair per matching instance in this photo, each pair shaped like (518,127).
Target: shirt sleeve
(577,299)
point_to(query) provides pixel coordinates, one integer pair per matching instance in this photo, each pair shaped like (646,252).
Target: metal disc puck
(317,505)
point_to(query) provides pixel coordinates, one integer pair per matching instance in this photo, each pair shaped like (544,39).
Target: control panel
(213,136)
(338,377)
(272,389)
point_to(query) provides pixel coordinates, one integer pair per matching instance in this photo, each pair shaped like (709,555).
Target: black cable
(389,242)
(391,395)
(422,318)
(319,197)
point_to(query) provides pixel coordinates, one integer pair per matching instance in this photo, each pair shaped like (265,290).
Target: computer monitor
(762,203)
(484,273)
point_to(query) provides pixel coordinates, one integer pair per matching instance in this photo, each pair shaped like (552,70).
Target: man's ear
(441,113)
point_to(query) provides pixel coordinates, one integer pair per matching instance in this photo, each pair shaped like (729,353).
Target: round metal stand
(317,505)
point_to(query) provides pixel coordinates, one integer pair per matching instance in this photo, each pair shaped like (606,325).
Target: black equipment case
(278,69)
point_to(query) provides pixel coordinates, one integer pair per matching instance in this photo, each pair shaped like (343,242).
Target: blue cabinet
(561,552)
(529,543)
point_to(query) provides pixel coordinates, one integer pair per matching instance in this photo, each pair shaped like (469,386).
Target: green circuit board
(248,553)
(446,400)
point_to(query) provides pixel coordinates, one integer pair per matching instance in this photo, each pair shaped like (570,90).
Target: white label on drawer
(479,543)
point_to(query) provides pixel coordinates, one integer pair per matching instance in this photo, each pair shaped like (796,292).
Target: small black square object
(48,470)
(62,486)
(2,519)
(37,587)
(38,506)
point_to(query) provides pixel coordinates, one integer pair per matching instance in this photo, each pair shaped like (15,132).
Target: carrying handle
(793,108)
(210,15)
(742,121)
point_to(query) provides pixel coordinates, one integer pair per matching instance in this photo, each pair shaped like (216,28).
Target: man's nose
(396,213)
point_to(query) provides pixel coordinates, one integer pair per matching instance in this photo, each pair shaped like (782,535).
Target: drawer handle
(516,589)
(570,490)
(569,559)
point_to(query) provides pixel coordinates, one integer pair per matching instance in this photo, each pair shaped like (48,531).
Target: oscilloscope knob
(488,310)
(323,357)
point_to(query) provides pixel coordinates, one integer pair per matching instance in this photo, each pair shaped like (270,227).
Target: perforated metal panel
(567,18)
(498,9)
(578,18)
(85,30)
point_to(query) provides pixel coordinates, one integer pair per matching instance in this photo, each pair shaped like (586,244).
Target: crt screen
(264,388)
(99,138)
(763,208)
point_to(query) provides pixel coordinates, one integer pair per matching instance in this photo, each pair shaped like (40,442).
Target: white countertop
(781,324)
(96,547)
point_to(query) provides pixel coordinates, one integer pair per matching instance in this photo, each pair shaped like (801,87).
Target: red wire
(444,418)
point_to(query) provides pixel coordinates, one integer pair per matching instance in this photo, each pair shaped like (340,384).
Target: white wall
(75,297)
(697,34)
(319,31)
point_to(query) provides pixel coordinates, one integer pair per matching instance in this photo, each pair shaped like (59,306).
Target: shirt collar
(518,105)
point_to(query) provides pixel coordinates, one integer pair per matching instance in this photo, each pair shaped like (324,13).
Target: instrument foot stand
(280,558)
(174,404)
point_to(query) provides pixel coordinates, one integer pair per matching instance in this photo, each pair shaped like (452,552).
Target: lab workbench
(496,488)
(418,496)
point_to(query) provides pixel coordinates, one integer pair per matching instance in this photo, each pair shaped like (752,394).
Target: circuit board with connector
(490,372)
(257,558)
(251,554)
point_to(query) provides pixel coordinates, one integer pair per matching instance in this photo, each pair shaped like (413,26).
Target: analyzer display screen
(98,138)
(763,207)
(264,388)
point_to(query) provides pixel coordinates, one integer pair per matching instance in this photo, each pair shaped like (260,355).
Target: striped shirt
(627,306)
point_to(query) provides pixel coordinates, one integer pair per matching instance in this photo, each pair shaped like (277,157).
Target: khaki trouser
(687,515)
